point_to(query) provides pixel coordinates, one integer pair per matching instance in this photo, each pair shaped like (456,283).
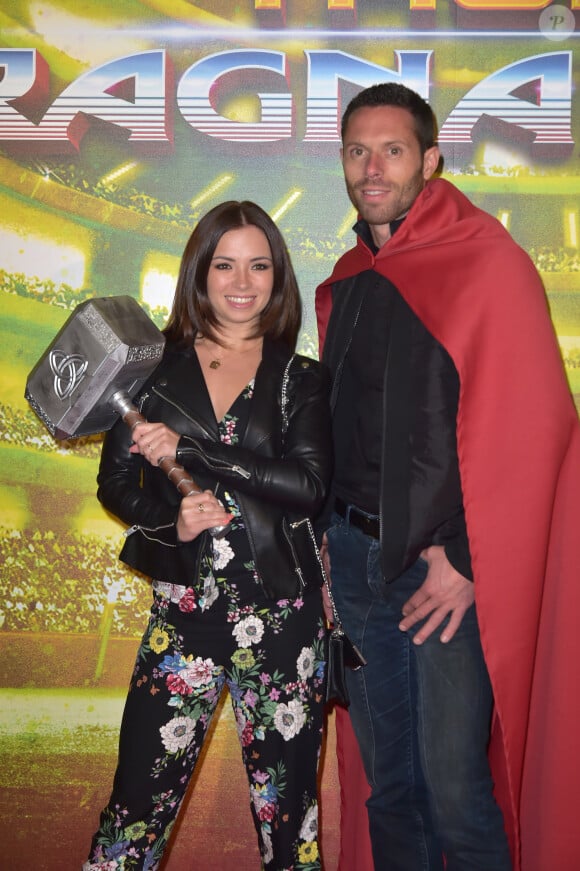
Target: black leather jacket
(275,478)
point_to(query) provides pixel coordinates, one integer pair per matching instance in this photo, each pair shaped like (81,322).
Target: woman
(249,421)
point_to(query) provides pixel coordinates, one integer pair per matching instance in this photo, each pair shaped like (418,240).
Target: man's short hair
(394,94)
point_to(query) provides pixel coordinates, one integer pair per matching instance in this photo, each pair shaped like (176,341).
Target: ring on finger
(201,507)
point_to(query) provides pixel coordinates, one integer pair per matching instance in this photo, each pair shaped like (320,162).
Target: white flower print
(198,672)
(177,734)
(305,663)
(309,827)
(289,719)
(268,850)
(101,866)
(248,631)
(173,592)
(210,593)
(222,553)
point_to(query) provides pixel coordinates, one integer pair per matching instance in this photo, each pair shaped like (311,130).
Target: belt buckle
(369,525)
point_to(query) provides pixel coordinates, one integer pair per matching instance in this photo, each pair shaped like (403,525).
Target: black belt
(369,525)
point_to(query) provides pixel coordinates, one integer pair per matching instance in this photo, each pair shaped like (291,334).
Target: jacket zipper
(297,568)
(221,464)
(146,529)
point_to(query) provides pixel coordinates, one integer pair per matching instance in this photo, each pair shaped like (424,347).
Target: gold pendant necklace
(216,362)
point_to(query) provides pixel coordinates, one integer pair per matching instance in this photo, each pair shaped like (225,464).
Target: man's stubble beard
(407,194)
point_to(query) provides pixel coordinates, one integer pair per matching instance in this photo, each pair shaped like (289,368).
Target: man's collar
(362,229)
(394,225)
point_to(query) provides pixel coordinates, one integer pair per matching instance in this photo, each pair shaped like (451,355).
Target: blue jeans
(421,715)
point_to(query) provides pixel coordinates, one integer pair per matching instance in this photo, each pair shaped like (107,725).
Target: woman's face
(240,279)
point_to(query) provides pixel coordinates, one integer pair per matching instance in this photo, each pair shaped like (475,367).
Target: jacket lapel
(189,393)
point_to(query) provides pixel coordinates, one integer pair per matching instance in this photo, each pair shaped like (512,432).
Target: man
(455,504)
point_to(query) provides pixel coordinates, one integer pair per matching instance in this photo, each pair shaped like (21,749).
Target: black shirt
(358,472)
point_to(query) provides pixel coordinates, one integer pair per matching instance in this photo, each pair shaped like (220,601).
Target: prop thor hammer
(87,377)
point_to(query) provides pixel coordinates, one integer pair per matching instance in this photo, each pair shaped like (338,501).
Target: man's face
(383,167)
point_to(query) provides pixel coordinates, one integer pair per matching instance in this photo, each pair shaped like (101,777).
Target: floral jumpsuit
(222,630)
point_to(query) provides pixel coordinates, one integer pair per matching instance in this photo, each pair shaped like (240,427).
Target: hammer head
(107,345)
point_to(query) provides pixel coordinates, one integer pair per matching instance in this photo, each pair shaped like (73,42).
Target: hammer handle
(178,476)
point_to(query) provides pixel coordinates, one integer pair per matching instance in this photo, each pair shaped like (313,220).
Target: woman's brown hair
(191,313)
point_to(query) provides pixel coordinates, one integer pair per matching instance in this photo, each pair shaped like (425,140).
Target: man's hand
(443,592)
(325,597)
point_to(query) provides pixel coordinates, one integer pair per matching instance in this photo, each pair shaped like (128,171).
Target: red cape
(518,438)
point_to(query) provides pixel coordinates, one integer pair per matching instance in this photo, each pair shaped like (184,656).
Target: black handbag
(341,652)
